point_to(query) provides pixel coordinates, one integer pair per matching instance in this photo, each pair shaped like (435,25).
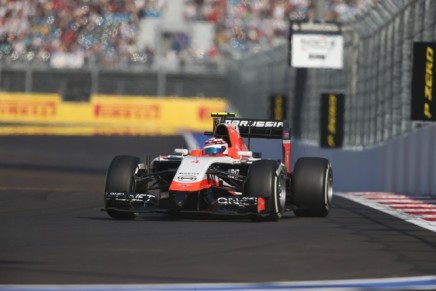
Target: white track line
(405,212)
(406,283)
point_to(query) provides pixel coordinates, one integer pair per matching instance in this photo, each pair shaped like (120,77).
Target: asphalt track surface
(53,232)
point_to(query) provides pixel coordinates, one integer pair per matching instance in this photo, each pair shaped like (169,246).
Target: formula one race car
(224,177)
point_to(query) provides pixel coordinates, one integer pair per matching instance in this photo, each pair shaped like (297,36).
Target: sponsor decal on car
(186,178)
(123,196)
(243,201)
(235,172)
(254,123)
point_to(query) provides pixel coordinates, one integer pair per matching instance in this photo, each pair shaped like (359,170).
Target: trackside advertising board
(332,120)
(317,50)
(423,82)
(278,106)
(22,113)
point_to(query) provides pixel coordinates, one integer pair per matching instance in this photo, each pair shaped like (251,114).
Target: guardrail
(81,84)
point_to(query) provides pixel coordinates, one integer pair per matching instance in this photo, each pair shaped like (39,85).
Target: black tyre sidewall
(119,178)
(309,187)
(262,181)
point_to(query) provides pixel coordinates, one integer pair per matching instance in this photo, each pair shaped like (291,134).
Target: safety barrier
(22,113)
(405,164)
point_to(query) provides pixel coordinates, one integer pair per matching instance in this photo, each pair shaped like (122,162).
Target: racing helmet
(214,146)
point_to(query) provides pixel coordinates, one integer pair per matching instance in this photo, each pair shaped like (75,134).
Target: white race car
(223,177)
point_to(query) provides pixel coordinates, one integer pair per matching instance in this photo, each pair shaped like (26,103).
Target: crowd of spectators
(245,25)
(68,33)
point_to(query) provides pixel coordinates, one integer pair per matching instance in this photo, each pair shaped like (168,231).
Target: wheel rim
(328,188)
(280,192)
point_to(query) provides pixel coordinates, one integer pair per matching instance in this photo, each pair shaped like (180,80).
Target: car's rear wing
(259,128)
(253,128)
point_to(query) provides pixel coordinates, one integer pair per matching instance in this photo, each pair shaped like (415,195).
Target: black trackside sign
(423,82)
(278,106)
(332,120)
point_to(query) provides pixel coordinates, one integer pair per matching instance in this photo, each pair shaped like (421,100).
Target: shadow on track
(203,217)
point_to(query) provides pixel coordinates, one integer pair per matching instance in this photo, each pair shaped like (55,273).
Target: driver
(215,146)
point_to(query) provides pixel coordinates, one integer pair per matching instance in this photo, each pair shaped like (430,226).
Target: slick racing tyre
(119,178)
(267,179)
(312,187)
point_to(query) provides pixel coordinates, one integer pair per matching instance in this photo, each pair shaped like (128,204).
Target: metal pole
(95,72)
(28,79)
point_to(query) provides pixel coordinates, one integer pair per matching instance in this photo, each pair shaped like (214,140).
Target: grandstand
(114,33)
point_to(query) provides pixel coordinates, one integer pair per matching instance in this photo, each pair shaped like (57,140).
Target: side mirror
(245,154)
(182,152)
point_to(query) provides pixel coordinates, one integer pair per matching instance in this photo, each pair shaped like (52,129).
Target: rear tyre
(312,187)
(119,178)
(267,179)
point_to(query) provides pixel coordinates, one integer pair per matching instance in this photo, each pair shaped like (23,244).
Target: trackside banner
(332,120)
(278,106)
(423,81)
(29,107)
(104,114)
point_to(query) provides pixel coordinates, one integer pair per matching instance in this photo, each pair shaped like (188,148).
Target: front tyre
(119,178)
(267,179)
(312,187)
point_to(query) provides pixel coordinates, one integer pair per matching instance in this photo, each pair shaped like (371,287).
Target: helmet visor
(214,150)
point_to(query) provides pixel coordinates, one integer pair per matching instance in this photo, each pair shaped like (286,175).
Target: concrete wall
(406,164)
